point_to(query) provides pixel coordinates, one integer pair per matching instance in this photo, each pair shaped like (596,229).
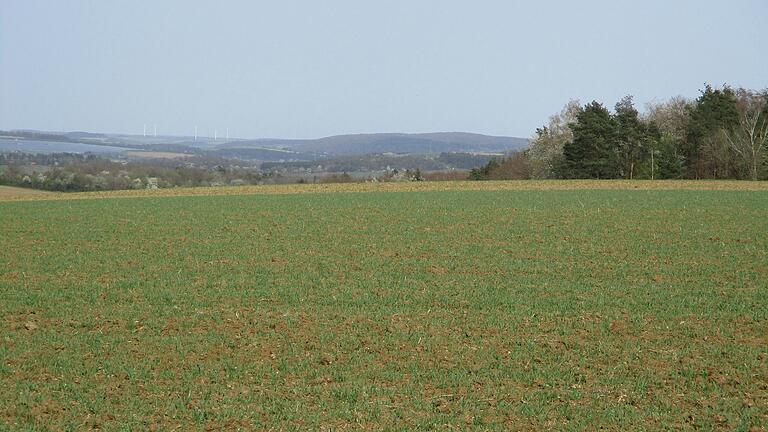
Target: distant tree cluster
(513,167)
(380,162)
(68,172)
(721,134)
(72,172)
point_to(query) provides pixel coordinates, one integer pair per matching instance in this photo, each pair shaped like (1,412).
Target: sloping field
(414,187)
(419,309)
(10,193)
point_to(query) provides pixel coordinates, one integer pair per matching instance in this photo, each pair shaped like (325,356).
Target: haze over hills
(293,149)
(358,144)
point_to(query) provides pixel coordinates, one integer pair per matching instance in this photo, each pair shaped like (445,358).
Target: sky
(313,68)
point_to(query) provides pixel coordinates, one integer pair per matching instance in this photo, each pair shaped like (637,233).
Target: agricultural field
(485,305)
(10,192)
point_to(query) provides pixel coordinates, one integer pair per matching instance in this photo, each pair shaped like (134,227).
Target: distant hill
(262,154)
(424,143)
(294,149)
(80,135)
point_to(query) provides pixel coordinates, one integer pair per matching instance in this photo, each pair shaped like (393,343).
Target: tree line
(722,134)
(70,172)
(67,172)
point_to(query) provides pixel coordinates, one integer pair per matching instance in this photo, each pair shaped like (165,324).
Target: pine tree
(592,152)
(633,141)
(705,148)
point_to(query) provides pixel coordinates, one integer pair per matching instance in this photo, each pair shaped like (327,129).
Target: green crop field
(445,309)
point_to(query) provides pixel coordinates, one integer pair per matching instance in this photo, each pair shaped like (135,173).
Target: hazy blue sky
(315,68)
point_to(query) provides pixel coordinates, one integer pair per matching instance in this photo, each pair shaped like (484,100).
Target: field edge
(8,193)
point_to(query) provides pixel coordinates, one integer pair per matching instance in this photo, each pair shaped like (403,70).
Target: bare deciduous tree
(750,138)
(546,149)
(671,116)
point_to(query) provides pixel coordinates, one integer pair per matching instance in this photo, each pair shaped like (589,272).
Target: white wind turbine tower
(227,134)
(195,132)
(215,134)
(145,130)
(155,131)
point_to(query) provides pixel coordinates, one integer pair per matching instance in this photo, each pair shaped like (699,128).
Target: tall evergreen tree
(632,138)
(665,162)
(591,153)
(667,123)
(705,148)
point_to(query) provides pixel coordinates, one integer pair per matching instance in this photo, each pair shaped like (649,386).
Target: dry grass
(405,187)
(10,192)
